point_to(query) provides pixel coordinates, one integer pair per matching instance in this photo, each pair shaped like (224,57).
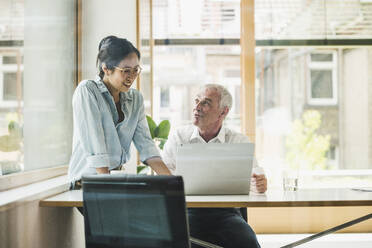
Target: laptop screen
(129,211)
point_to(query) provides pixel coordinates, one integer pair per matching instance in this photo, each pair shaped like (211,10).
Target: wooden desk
(274,198)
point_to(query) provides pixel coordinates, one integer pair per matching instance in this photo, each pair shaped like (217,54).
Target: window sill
(22,195)
(15,180)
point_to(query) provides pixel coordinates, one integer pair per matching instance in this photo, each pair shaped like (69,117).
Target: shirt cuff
(150,158)
(97,161)
(149,153)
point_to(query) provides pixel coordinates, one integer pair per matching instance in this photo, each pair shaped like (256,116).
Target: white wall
(103,18)
(100,19)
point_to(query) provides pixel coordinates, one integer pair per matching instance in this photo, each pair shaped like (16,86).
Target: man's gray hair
(225,96)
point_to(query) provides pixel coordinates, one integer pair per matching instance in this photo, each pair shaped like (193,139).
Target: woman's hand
(102,170)
(158,166)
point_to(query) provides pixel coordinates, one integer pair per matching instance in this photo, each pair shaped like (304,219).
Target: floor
(360,240)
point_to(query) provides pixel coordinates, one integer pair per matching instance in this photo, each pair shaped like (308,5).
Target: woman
(109,115)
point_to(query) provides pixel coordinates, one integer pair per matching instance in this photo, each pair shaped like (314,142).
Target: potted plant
(159,133)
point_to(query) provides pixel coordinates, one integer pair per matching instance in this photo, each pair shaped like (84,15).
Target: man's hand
(261,182)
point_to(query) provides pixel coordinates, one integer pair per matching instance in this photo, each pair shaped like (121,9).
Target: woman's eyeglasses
(130,71)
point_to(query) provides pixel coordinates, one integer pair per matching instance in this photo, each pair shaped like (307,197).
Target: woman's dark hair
(112,50)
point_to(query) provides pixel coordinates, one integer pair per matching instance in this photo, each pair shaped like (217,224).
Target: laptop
(215,168)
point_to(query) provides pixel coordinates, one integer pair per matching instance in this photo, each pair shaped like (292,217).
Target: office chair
(136,211)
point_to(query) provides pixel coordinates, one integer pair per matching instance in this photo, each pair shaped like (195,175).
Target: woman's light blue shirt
(99,140)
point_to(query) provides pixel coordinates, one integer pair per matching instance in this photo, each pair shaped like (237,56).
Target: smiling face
(121,78)
(207,113)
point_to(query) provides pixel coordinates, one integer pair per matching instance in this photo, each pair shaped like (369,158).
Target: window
(189,67)
(332,156)
(313,82)
(315,134)
(313,71)
(180,69)
(37,63)
(323,78)
(11,80)
(164,97)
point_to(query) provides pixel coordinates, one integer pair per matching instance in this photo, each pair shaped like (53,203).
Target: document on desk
(363,189)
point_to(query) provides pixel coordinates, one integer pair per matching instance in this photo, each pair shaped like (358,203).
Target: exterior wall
(354,104)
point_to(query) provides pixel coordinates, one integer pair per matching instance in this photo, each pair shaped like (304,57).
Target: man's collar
(220,136)
(102,88)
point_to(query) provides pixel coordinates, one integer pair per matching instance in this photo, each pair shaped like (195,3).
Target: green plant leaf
(141,168)
(152,126)
(162,143)
(163,129)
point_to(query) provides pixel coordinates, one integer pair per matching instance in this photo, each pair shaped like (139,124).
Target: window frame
(15,180)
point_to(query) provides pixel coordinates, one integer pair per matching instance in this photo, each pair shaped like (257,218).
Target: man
(221,226)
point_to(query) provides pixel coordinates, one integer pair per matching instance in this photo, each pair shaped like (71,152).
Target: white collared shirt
(190,135)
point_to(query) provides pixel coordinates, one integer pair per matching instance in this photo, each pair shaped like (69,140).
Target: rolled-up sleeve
(142,137)
(88,127)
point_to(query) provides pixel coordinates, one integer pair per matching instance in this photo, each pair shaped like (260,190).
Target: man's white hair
(225,96)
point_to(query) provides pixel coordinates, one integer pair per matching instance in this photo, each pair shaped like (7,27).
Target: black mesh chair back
(134,211)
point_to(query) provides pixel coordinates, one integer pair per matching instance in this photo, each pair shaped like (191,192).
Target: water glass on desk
(290,180)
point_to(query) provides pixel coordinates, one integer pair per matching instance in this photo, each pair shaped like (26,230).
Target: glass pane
(319,57)
(9,60)
(37,80)
(326,144)
(196,19)
(164,97)
(10,87)
(181,70)
(306,20)
(321,84)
